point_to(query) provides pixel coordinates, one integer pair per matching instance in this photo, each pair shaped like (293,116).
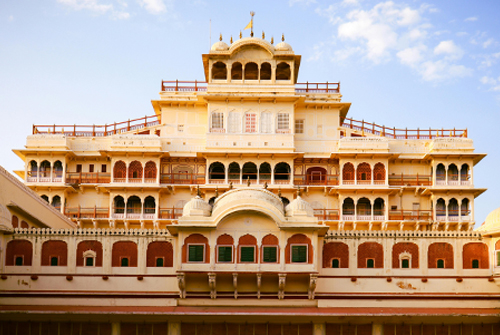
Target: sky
(415,64)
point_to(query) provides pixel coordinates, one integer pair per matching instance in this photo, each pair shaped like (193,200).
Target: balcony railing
(182,178)
(87,212)
(171,213)
(454,215)
(363,182)
(201,86)
(410,180)
(95,130)
(327,214)
(375,129)
(44,176)
(410,215)
(308,179)
(88,177)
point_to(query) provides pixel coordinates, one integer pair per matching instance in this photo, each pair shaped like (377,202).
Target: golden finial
(272,40)
(248,181)
(299,193)
(220,37)
(263,35)
(230,185)
(279,192)
(241,35)
(231,40)
(282,37)
(265,185)
(198,192)
(216,192)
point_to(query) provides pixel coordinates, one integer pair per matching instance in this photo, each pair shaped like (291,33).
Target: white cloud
(303,2)
(488,42)
(471,19)
(91,5)
(121,15)
(490,60)
(449,49)
(442,70)
(411,56)
(488,80)
(154,6)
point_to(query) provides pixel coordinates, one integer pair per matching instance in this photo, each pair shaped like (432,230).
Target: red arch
(160,249)
(332,250)
(83,246)
(16,248)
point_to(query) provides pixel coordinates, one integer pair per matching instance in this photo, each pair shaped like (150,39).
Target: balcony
(316,180)
(363,215)
(44,177)
(410,215)
(87,212)
(453,215)
(453,180)
(182,178)
(410,180)
(327,214)
(88,177)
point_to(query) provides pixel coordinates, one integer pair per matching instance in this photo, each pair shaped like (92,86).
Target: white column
(127,166)
(143,173)
(446,175)
(447,201)
(434,173)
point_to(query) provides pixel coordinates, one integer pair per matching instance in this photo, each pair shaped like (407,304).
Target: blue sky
(401,63)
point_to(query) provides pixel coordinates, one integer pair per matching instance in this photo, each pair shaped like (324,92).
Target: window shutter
(270,254)
(225,254)
(196,253)
(299,254)
(247,254)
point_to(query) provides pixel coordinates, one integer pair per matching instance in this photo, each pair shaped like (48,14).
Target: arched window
(379,173)
(119,172)
(224,249)
(453,210)
(58,169)
(440,173)
(134,205)
(236,71)
(464,209)
(251,71)
(265,122)
(219,71)
(45,169)
(160,254)
(32,171)
(440,209)
(15,221)
(265,172)
(475,255)
(348,207)
(250,122)
(45,197)
(56,202)
(364,173)
(299,249)
(378,209)
(149,205)
(86,258)
(217,171)
(270,249)
(283,71)
(54,253)
(364,209)
(24,224)
(464,174)
(234,172)
(19,253)
(453,174)
(217,122)
(440,255)
(348,174)
(336,255)
(33,166)
(196,249)
(265,71)
(405,255)
(118,205)
(150,172)
(249,171)
(234,122)
(135,172)
(124,254)
(316,176)
(281,173)
(370,255)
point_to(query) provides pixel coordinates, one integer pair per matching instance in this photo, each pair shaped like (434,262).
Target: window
(283,121)
(225,254)
(89,261)
(440,263)
(475,263)
(370,263)
(196,253)
(299,253)
(405,263)
(299,126)
(250,123)
(54,261)
(265,122)
(103,168)
(78,168)
(270,254)
(217,120)
(335,263)
(124,262)
(247,254)
(498,258)
(159,262)
(19,261)
(234,122)
(180,128)
(91,168)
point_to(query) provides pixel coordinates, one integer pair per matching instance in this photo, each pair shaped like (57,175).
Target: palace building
(248,203)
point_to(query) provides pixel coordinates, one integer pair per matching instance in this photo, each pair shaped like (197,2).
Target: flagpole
(251,31)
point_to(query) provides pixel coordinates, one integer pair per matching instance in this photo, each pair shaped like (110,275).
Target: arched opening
(56,202)
(249,171)
(234,172)
(160,254)
(265,172)
(265,71)
(464,209)
(58,169)
(440,209)
(378,209)
(44,197)
(453,174)
(283,71)
(364,173)
(379,173)
(32,171)
(453,210)
(15,221)
(281,173)
(182,174)
(440,173)
(118,205)
(364,209)
(348,174)
(316,176)
(348,207)
(217,172)
(134,205)
(464,174)
(119,172)
(219,71)
(135,172)
(45,169)
(251,71)
(150,172)
(149,205)
(236,71)
(124,254)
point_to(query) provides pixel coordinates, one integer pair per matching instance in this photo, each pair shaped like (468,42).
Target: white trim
(247,246)
(187,253)
(277,253)
(232,253)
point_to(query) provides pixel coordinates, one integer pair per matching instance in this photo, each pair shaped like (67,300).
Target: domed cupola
(299,207)
(492,222)
(197,206)
(219,46)
(283,46)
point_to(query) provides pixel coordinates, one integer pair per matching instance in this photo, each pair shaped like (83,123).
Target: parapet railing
(201,86)
(415,134)
(96,130)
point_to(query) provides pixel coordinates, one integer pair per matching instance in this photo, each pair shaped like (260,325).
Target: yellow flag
(249,26)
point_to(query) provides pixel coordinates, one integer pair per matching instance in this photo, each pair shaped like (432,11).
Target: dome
(492,221)
(283,46)
(219,46)
(299,207)
(196,207)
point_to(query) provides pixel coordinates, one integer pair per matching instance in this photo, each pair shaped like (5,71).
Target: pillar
(115,328)
(377,329)
(174,328)
(319,329)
